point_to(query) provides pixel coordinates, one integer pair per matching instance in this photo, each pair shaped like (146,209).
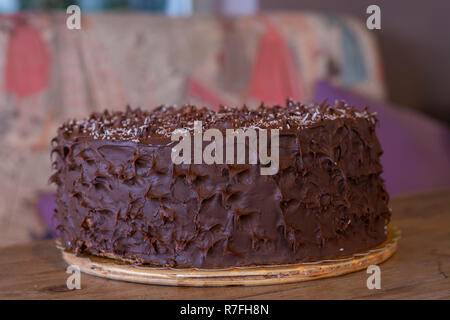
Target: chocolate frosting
(119,195)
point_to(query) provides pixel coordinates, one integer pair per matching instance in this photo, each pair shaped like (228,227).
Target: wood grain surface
(419,270)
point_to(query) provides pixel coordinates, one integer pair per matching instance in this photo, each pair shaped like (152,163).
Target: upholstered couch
(50,74)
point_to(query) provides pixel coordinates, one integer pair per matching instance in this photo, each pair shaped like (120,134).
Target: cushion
(416,148)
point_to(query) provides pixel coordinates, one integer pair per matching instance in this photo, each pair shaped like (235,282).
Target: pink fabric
(416,148)
(196,89)
(27,61)
(273,77)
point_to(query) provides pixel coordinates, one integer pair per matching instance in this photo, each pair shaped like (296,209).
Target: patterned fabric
(28,55)
(49,74)
(267,58)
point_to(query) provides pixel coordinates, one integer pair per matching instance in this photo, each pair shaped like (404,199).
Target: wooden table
(419,270)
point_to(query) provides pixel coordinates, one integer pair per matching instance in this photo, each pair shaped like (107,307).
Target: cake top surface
(136,124)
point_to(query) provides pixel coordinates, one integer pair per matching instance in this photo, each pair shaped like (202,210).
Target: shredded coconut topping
(135,124)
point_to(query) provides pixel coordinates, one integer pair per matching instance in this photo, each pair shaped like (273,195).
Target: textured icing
(124,198)
(137,125)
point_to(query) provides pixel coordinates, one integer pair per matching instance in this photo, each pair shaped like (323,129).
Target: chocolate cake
(119,195)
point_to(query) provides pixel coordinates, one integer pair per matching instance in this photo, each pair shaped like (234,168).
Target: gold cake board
(237,276)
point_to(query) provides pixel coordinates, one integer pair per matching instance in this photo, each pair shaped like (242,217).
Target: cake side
(122,197)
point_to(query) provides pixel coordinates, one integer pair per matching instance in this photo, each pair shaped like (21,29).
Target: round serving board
(243,276)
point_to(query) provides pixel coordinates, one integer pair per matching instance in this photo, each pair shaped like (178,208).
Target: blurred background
(151,52)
